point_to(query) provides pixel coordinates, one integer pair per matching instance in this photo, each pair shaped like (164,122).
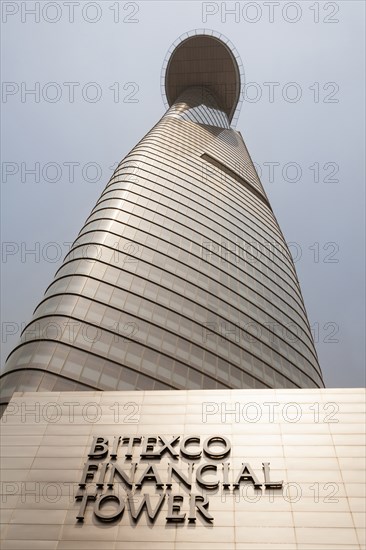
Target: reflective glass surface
(180,278)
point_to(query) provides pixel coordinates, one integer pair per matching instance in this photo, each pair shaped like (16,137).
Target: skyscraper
(180,277)
(180,280)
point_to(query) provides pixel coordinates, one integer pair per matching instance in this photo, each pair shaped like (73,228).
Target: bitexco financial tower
(180,280)
(180,277)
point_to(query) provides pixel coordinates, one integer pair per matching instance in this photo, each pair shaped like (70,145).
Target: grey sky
(322,132)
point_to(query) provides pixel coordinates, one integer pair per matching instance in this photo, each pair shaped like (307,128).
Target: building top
(204,60)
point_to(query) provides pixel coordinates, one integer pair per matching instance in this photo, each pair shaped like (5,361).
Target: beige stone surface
(319,453)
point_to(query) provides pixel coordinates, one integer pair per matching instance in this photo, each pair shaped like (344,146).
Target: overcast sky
(96,71)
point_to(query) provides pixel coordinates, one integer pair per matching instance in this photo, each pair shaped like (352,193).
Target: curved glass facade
(179,279)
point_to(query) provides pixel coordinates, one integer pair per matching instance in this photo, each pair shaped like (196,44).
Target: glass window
(150,361)
(144,382)
(134,354)
(74,364)
(109,376)
(195,379)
